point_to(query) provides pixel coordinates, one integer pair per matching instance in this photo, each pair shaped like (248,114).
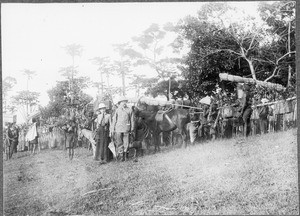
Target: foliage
(280,18)
(7,85)
(23,100)
(60,101)
(161,88)
(26,98)
(73,50)
(243,48)
(68,72)
(28,73)
(149,50)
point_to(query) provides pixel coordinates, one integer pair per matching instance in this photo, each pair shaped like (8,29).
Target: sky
(33,36)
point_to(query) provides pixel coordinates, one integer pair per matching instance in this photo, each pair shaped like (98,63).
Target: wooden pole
(239,79)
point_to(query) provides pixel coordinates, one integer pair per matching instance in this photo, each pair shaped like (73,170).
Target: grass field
(256,176)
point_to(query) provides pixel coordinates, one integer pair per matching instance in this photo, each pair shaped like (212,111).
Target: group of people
(117,126)
(212,112)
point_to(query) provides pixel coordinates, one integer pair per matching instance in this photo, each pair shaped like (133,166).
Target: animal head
(80,135)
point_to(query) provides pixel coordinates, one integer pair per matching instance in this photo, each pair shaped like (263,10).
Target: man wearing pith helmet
(122,126)
(103,122)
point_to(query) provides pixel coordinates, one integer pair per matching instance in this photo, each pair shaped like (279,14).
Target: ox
(180,117)
(157,122)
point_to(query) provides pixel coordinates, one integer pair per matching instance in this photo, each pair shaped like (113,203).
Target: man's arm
(132,121)
(113,122)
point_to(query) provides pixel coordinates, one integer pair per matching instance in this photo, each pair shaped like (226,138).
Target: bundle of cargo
(151,101)
(159,102)
(239,79)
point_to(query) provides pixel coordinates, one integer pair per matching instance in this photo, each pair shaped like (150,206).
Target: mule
(90,136)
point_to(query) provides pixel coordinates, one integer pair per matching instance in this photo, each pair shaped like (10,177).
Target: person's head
(101,108)
(264,100)
(122,102)
(246,87)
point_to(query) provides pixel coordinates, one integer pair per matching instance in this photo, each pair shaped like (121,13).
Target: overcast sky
(33,35)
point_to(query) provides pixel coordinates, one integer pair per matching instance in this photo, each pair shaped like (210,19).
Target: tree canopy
(246,47)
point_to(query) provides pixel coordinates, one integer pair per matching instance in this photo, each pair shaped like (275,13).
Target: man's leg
(126,144)
(119,144)
(105,146)
(101,143)
(246,119)
(97,149)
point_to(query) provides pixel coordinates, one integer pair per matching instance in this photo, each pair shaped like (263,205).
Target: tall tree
(29,75)
(73,50)
(59,101)
(7,85)
(24,99)
(123,69)
(280,18)
(103,64)
(219,44)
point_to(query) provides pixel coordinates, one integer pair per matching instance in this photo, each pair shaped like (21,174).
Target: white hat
(264,100)
(121,98)
(205,100)
(101,106)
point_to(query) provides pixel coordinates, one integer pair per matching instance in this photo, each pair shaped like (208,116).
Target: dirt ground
(253,176)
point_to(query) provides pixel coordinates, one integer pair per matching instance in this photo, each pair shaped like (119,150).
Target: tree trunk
(101,80)
(169,91)
(251,68)
(289,50)
(123,82)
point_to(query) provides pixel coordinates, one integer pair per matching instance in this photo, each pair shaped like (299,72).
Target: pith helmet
(101,106)
(264,100)
(122,98)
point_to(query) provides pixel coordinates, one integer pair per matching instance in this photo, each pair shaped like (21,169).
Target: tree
(177,89)
(29,75)
(103,64)
(73,50)
(24,99)
(151,46)
(60,102)
(7,85)
(148,49)
(123,69)
(137,83)
(280,17)
(217,44)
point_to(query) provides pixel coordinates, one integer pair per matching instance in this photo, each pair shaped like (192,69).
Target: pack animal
(90,136)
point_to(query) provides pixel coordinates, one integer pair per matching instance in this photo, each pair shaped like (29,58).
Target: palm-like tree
(29,75)
(102,63)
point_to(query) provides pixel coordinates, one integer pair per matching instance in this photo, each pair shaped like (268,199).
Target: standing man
(263,116)
(245,109)
(14,140)
(122,126)
(70,131)
(32,136)
(103,122)
(202,130)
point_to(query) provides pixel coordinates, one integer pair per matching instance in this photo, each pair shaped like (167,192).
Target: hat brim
(122,101)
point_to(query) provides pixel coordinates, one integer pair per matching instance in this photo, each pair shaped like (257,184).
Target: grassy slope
(257,176)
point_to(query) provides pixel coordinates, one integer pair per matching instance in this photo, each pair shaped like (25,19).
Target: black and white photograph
(149,108)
